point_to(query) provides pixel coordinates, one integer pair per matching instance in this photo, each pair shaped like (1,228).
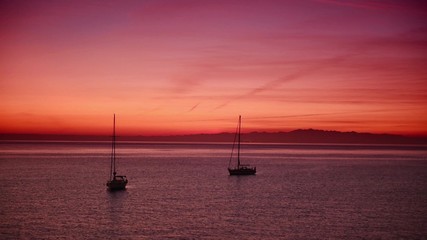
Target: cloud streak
(355,60)
(194,107)
(320,64)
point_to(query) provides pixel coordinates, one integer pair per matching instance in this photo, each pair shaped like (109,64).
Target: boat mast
(114,145)
(113,151)
(238,144)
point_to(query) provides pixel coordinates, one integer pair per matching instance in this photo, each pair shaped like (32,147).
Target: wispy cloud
(194,107)
(320,64)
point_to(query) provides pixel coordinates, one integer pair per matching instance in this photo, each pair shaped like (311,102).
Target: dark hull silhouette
(242,171)
(118,183)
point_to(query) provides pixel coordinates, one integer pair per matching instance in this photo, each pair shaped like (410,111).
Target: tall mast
(238,144)
(114,145)
(112,153)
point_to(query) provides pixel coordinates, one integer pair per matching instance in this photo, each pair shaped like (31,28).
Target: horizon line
(217,133)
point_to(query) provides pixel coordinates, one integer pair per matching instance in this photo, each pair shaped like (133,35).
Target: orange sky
(177,67)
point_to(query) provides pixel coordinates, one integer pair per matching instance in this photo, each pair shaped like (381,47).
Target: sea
(57,190)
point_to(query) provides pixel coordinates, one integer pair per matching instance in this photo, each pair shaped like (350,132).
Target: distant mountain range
(296,136)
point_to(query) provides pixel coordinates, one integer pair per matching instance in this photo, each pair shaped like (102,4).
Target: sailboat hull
(117,183)
(242,171)
(114,185)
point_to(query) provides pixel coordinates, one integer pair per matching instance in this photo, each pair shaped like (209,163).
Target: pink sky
(174,67)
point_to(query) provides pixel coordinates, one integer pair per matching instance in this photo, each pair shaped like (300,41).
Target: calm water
(183,191)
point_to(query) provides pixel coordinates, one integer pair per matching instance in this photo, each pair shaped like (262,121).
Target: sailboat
(240,169)
(116,182)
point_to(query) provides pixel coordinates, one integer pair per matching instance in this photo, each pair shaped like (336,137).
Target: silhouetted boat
(115,182)
(240,169)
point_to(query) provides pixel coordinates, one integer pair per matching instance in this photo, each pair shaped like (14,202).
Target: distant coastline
(296,136)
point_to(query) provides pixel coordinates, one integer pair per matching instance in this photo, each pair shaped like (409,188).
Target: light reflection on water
(183,191)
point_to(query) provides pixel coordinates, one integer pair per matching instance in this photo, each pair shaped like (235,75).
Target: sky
(193,66)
